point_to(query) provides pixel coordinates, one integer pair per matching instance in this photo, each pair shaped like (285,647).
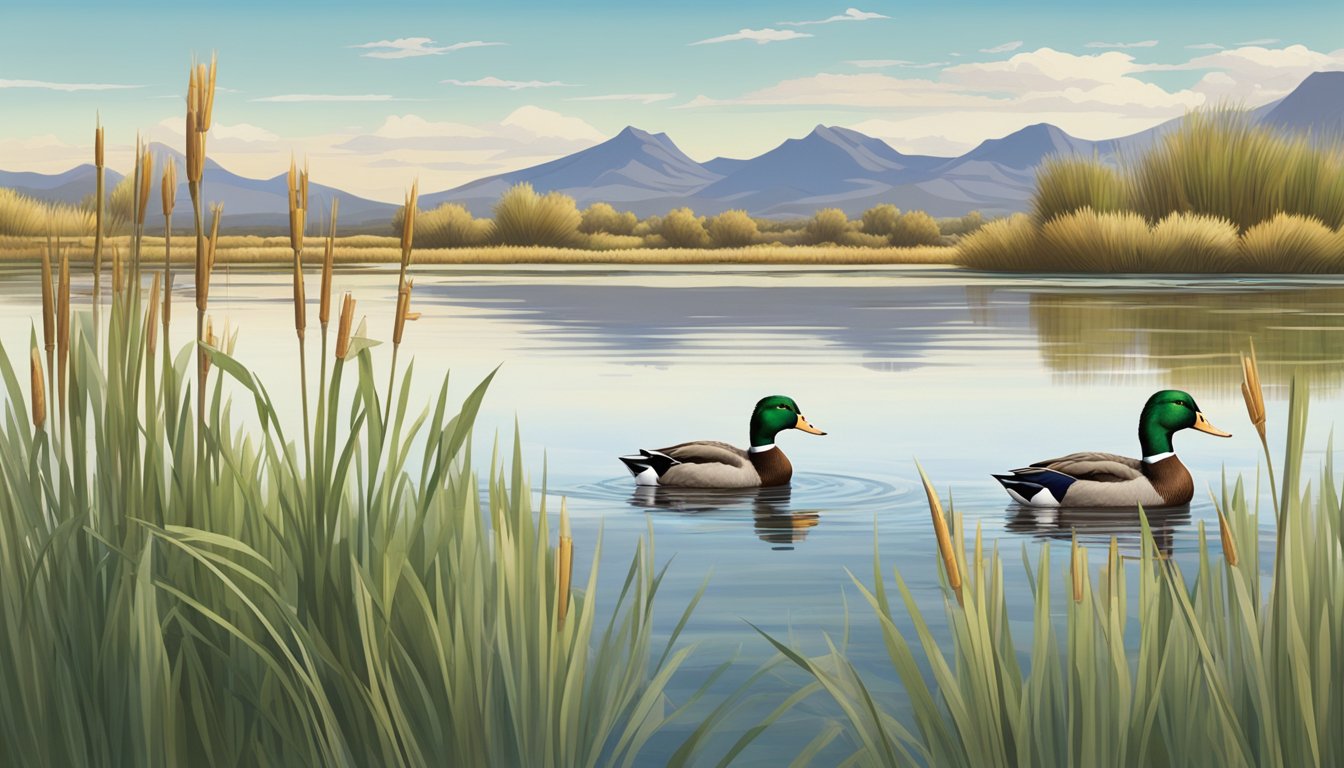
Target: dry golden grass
(1290,243)
(1188,242)
(1013,243)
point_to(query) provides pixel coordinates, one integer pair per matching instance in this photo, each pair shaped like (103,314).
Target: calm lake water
(969,373)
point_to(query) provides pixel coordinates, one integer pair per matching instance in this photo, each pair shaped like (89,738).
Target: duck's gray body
(710,464)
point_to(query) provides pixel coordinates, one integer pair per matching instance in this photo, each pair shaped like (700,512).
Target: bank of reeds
(179,589)
(1228,671)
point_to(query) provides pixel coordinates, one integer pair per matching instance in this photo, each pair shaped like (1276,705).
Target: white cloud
(414,126)
(642,98)
(758,36)
(1205,47)
(407,47)
(333,97)
(1254,75)
(885,63)
(1261,41)
(1004,47)
(513,85)
(538,122)
(50,86)
(859,90)
(1140,44)
(850,14)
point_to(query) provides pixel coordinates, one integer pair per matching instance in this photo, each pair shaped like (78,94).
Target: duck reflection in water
(1096,526)
(775,522)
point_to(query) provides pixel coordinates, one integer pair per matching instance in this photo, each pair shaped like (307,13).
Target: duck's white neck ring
(761,448)
(1156,457)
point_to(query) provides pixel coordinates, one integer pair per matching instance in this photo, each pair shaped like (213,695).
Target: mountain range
(647,173)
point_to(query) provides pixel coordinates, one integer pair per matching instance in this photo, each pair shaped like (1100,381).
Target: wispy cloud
(850,14)
(758,36)
(642,98)
(885,63)
(49,86)
(512,85)
(408,47)
(1139,44)
(1261,41)
(1004,48)
(333,97)
(1205,47)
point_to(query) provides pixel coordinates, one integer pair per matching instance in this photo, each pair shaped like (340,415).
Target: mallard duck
(1093,479)
(712,464)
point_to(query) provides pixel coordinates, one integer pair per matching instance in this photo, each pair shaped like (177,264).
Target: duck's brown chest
(1171,480)
(773,467)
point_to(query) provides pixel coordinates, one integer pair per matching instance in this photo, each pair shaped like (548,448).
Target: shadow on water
(776,522)
(1095,527)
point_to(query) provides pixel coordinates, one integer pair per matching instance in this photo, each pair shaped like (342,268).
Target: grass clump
(22,216)
(1210,668)
(881,219)
(914,228)
(829,225)
(1118,242)
(523,217)
(1012,243)
(1188,242)
(448,226)
(962,226)
(1288,243)
(1065,184)
(732,229)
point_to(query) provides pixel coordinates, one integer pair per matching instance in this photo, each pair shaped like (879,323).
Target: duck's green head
(775,414)
(1166,413)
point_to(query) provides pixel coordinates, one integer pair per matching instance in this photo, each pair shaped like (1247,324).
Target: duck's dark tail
(648,466)
(1036,486)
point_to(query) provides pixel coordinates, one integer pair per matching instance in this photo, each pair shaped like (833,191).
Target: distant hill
(648,174)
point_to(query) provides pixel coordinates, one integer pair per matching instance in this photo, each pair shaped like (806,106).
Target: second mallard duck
(1093,479)
(712,464)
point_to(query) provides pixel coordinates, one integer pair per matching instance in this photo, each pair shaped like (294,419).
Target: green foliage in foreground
(1224,675)
(166,605)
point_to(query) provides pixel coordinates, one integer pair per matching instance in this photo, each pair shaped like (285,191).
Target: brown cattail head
(403,310)
(48,299)
(565,566)
(1076,569)
(328,262)
(116,269)
(1252,392)
(343,329)
(145,172)
(205,261)
(1229,543)
(408,223)
(941,533)
(39,387)
(216,213)
(63,309)
(152,322)
(98,146)
(200,105)
(168,193)
(298,205)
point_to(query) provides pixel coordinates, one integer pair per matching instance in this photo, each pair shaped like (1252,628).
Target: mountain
(634,170)
(71,186)
(647,173)
(1316,106)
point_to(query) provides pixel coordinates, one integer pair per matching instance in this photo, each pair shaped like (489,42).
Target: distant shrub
(881,219)
(962,226)
(1291,243)
(649,226)
(522,217)
(601,217)
(864,240)
(1066,184)
(781,225)
(829,225)
(448,226)
(1189,242)
(681,228)
(914,228)
(732,229)
(655,241)
(605,241)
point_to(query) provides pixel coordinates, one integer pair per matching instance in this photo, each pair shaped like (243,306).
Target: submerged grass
(1225,672)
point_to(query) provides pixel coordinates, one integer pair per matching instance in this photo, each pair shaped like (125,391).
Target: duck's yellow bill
(808,428)
(1203,425)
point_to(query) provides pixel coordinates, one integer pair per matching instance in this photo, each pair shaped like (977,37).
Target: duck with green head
(712,464)
(1092,479)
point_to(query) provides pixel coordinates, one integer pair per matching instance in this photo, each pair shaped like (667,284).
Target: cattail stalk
(144,170)
(944,537)
(168,195)
(152,322)
(99,202)
(1229,543)
(205,263)
(63,336)
(298,214)
(324,301)
(403,293)
(49,314)
(1076,570)
(564,566)
(39,392)
(200,104)
(116,270)
(403,314)
(1254,395)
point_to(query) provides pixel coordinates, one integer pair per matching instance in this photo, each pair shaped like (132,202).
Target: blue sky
(459,90)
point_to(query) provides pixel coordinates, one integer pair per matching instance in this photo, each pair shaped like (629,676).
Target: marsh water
(969,373)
